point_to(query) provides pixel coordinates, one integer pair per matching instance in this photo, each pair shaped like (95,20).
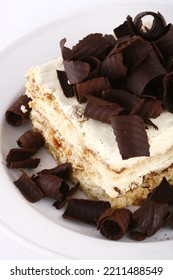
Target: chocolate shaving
(77,71)
(101,110)
(151,216)
(165,43)
(66,87)
(170,220)
(163,193)
(27,163)
(17,155)
(127,28)
(156,29)
(114,223)
(137,236)
(151,108)
(63,170)
(113,66)
(58,204)
(52,186)
(15,115)
(66,52)
(130,135)
(91,87)
(149,71)
(31,140)
(85,210)
(129,101)
(28,188)
(92,45)
(168,90)
(94,64)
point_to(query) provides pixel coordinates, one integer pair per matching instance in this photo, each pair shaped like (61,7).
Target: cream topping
(98,136)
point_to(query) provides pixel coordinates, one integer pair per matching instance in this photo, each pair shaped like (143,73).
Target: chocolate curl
(151,108)
(58,204)
(21,158)
(63,170)
(91,45)
(85,210)
(150,71)
(150,217)
(156,29)
(28,188)
(170,220)
(165,43)
(113,66)
(129,101)
(135,50)
(168,91)
(66,87)
(18,113)
(31,140)
(127,28)
(66,52)
(114,223)
(101,110)
(163,193)
(91,87)
(94,64)
(130,135)
(77,71)
(52,186)
(111,41)
(169,65)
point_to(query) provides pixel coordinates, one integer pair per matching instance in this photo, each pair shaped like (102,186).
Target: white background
(18,17)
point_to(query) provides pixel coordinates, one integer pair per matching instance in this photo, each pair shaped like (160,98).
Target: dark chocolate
(31,140)
(168,89)
(85,210)
(17,155)
(163,193)
(114,223)
(66,87)
(165,43)
(63,170)
(14,115)
(28,188)
(130,135)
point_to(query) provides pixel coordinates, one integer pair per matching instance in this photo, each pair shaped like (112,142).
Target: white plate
(40,224)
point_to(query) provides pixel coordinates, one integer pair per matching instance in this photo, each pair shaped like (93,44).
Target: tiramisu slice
(103,107)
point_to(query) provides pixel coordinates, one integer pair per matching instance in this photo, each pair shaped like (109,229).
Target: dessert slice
(110,119)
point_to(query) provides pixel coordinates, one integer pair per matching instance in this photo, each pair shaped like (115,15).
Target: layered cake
(105,107)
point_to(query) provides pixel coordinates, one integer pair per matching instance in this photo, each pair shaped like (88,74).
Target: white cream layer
(98,136)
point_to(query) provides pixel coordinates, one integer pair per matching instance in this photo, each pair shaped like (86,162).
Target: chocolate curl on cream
(168,91)
(150,217)
(101,110)
(130,135)
(114,223)
(28,188)
(85,210)
(66,87)
(113,66)
(149,33)
(77,71)
(91,87)
(127,28)
(31,140)
(142,77)
(18,113)
(165,43)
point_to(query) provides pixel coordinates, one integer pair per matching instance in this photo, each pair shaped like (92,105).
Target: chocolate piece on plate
(27,163)
(28,188)
(52,186)
(17,155)
(66,87)
(18,113)
(101,110)
(31,140)
(85,210)
(114,223)
(137,236)
(151,216)
(130,135)
(63,170)
(126,28)
(170,220)
(58,204)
